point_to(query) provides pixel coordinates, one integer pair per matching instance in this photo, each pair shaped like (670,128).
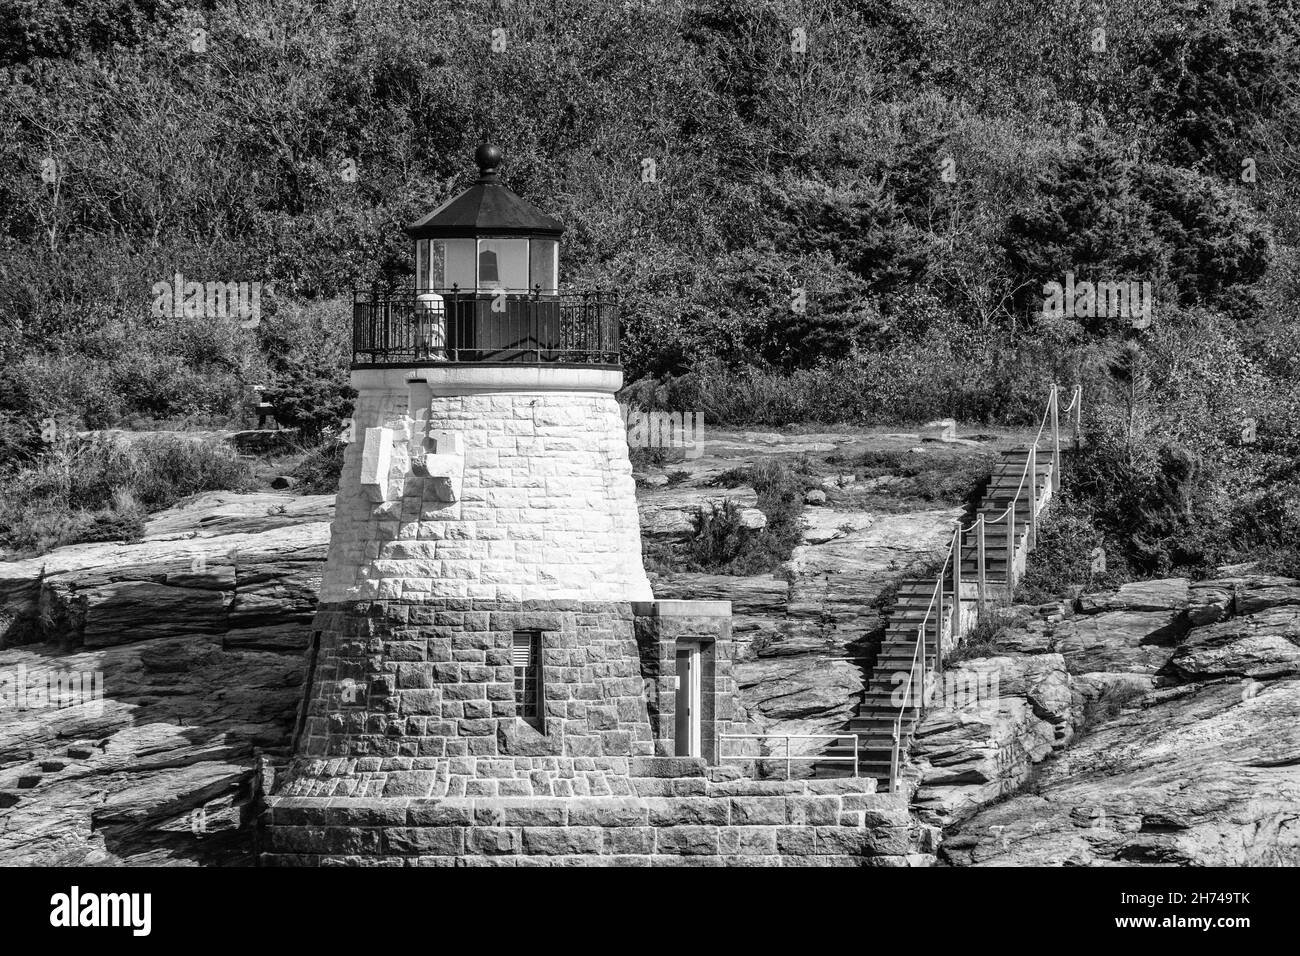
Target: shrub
(720,543)
(313,400)
(1063,556)
(718,538)
(318,472)
(982,641)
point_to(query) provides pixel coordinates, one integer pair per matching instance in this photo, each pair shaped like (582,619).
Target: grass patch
(101,488)
(318,471)
(982,641)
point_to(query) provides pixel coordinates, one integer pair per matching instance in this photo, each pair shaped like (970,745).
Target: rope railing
(1028,474)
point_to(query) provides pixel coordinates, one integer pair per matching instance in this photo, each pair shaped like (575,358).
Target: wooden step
(912,617)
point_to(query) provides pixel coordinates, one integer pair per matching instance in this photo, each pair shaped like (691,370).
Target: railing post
(1011,541)
(911,683)
(1056,439)
(457,323)
(938,626)
(893,762)
(1078,418)
(979,561)
(1032,541)
(956,595)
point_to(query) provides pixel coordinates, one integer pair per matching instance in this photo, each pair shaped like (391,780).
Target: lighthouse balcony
(395,328)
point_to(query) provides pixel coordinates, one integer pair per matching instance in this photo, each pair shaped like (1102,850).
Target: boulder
(1170,594)
(1251,599)
(1260,645)
(997,717)
(1122,640)
(1208,602)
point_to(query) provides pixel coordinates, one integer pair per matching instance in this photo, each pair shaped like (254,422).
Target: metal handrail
(1051,413)
(788,756)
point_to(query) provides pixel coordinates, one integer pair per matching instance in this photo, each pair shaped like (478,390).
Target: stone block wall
(676,815)
(416,698)
(545,507)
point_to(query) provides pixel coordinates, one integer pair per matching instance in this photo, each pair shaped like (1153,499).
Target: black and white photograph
(659,435)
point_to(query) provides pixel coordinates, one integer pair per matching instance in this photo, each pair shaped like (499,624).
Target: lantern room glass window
(460,265)
(487,265)
(430,265)
(502,264)
(543,265)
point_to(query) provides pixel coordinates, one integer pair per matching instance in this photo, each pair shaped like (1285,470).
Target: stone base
(667,821)
(417,698)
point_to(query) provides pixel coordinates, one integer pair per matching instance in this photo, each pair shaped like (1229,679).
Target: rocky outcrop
(1168,594)
(246,566)
(1208,774)
(196,635)
(1182,744)
(806,659)
(1262,645)
(1134,641)
(806,633)
(162,770)
(999,716)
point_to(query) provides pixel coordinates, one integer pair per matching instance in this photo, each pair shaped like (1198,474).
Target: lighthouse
(477,624)
(489,676)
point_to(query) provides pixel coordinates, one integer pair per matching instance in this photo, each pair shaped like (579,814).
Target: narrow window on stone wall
(527,660)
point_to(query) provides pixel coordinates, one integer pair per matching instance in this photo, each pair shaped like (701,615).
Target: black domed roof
(487,208)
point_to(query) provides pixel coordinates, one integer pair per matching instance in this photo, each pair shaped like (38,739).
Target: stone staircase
(1005,523)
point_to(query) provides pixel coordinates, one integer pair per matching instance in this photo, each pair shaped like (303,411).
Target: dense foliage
(853,213)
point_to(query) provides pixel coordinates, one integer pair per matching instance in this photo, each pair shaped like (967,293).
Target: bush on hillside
(101,487)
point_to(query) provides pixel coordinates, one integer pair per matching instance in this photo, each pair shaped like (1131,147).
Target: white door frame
(689,693)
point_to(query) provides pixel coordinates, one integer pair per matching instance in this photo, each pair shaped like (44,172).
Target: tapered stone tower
(476,626)
(486,633)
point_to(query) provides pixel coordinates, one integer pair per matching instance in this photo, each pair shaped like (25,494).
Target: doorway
(687,705)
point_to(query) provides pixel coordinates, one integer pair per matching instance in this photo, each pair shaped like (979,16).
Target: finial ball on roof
(488,158)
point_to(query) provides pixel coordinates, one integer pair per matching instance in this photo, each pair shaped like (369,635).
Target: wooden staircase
(873,724)
(992,550)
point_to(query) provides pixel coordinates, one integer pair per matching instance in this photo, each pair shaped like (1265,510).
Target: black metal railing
(401,326)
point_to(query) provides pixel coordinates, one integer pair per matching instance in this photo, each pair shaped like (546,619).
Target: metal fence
(403,326)
(787,756)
